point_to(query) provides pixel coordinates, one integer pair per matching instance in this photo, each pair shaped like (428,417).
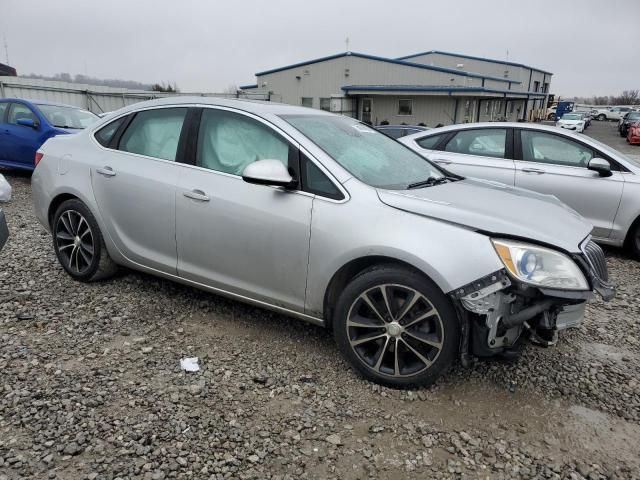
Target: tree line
(627,97)
(107,82)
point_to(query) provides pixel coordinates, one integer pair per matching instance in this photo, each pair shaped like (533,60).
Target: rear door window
(431,142)
(106,133)
(154,133)
(485,142)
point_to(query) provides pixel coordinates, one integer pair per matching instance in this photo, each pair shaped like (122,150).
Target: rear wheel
(633,240)
(602,117)
(78,243)
(396,327)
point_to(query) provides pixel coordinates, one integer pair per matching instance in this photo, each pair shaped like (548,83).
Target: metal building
(430,87)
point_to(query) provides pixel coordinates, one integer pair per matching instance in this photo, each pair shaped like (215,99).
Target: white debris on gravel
(189,364)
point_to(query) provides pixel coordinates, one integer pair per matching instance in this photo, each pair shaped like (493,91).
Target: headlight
(540,266)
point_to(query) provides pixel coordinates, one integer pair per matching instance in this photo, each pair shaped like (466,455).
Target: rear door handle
(106,171)
(533,170)
(198,195)
(443,162)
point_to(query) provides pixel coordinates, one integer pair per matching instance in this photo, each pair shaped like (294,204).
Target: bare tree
(629,97)
(231,89)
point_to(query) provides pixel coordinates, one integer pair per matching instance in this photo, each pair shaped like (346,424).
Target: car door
(250,240)
(556,164)
(21,142)
(477,152)
(134,181)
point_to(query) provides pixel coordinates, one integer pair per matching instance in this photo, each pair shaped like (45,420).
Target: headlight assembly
(540,266)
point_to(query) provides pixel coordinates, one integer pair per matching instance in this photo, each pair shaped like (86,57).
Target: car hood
(495,208)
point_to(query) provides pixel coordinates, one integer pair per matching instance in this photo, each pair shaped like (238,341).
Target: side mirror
(268,172)
(601,166)
(27,122)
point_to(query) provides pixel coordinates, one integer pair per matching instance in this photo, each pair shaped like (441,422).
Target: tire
(78,243)
(602,117)
(552,116)
(407,351)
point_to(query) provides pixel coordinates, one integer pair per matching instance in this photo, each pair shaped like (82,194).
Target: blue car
(25,125)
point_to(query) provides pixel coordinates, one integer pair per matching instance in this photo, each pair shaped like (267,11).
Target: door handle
(106,171)
(198,195)
(533,170)
(443,162)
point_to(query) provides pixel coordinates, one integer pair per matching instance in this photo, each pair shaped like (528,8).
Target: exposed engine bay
(500,314)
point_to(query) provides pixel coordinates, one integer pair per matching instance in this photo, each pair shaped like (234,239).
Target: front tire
(602,117)
(78,243)
(396,327)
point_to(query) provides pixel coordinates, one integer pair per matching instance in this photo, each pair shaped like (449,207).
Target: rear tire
(602,117)
(633,240)
(78,243)
(408,340)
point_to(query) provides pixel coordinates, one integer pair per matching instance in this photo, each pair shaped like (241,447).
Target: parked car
(600,183)
(586,117)
(626,121)
(25,125)
(572,121)
(397,131)
(611,113)
(633,135)
(4,230)
(323,218)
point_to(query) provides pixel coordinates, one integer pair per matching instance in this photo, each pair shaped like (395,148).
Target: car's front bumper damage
(498,312)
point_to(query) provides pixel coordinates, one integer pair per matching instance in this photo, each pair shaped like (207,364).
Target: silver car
(322,218)
(600,183)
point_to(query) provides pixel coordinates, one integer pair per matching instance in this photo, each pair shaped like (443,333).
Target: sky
(206,46)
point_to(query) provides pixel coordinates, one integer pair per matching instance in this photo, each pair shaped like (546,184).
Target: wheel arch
(56,202)
(351,270)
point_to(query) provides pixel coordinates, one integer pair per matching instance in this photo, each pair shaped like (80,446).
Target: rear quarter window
(106,133)
(430,142)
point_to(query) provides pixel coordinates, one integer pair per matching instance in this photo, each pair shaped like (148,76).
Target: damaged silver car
(323,218)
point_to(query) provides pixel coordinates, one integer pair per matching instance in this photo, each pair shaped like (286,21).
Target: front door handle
(106,171)
(443,162)
(533,170)
(198,195)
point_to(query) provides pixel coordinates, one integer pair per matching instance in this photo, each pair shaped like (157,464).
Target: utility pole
(347,43)
(6,48)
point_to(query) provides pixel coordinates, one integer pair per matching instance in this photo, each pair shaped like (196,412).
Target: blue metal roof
(471,57)
(387,60)
(447,89)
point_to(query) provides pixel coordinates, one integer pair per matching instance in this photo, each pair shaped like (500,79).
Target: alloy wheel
(75,241)
(395,330)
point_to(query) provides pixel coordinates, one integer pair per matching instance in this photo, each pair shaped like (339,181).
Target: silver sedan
(600,183)
(323,218)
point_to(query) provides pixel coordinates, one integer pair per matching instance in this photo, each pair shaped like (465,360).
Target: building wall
(430,110)
(327,78)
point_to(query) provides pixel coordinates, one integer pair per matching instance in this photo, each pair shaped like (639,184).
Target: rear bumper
(4,230)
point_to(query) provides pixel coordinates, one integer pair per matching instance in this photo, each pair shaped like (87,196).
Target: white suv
(612,113)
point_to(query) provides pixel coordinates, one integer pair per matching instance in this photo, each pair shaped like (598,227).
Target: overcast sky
(590,45)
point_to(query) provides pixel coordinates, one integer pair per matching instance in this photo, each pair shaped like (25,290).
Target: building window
(487,107)
(536,86)
(306,102)
(405,106)
(325,104)
(467,108)
(511,106)
(545,87)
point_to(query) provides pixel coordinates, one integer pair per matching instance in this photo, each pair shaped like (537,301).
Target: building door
(365,115)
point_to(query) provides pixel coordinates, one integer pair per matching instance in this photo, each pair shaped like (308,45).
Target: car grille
(595,257)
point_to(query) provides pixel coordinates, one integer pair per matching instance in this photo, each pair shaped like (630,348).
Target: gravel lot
(91,388)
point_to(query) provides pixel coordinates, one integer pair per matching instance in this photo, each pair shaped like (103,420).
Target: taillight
(39,156)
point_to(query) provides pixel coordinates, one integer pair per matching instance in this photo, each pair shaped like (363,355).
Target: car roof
(467,126)
(38,102)
(259,107)
(420,127)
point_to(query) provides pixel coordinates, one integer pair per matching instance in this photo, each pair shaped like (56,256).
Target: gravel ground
(91,388)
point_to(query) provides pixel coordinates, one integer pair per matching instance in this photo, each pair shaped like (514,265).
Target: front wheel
(396,327)
(78,243)
(602,117)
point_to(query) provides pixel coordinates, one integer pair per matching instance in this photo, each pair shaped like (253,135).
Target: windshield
(633,116)
(571,116)
(67,117)
(370,156)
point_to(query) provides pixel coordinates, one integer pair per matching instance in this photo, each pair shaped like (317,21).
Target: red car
(633,137)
